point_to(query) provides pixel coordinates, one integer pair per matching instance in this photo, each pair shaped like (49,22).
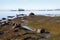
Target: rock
(13,24)
(1,32)
(18,26)
(27,38)
(16,30)
(8,39)
(42,31)
(38,31)
(31,14)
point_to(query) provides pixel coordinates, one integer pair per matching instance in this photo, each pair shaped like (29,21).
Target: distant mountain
(57,9)
(18,10)
(21,10)
(38,10)
(13,10)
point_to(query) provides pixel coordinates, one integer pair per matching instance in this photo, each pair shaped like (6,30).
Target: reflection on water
(47,35)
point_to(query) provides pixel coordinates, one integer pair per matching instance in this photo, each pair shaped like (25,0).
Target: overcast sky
(29,4)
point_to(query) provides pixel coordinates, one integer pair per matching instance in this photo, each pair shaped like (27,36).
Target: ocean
(13,13)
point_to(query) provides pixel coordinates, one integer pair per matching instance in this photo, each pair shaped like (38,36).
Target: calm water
(13,13)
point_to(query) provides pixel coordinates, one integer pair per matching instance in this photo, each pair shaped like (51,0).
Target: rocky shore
(19,28)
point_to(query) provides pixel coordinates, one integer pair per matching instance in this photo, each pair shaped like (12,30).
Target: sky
(29,4)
